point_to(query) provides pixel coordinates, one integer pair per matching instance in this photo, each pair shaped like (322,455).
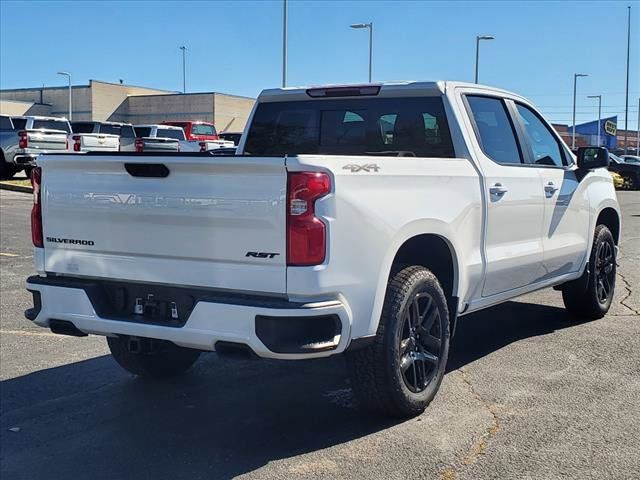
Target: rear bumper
(26,157)
(271,329)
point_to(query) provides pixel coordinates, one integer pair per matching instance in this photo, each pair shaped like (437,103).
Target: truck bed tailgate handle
(147,170)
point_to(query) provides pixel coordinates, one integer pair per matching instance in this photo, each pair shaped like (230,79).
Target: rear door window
(373,126)
(51,125)
(494,129)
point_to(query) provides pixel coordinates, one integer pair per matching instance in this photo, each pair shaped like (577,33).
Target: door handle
(550,188)
(498,189)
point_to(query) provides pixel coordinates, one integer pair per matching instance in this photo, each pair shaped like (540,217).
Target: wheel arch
(609,217)
(429,246)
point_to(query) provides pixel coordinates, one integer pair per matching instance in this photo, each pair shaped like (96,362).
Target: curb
(15,188)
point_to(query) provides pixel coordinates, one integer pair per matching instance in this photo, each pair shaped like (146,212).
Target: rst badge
(261,254)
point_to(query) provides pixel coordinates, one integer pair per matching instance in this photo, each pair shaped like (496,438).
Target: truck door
(515,200)
(565,233)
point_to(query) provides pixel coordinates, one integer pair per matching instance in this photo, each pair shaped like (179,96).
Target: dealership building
(117,102)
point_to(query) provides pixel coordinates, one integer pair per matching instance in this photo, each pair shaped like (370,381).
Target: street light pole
(478,38)
(599,97)
(284,43)
(575,80)
(370,27)
(184,69)
(68,75)
(638,131)
(626,94)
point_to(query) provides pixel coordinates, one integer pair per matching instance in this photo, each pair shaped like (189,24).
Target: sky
(236,47)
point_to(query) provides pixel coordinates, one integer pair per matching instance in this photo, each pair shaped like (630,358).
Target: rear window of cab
(372,126)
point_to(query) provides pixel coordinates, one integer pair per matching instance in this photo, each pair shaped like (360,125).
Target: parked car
(630,172)
(202,134)
(22,139)
(97,131)
(158,138)
(360,219)
(231,136)
(618,181)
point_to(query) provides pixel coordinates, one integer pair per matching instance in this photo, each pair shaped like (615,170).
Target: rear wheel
(151,358)
(591,295)
(400,373)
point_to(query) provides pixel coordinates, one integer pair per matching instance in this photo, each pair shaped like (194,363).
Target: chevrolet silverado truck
(101,136)
(22,139)
(360,220)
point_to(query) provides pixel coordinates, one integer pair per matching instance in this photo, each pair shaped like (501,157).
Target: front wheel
(151,358)
(591,295)
(400,373)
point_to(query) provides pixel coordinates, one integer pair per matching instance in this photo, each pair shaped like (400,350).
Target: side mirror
(592,157)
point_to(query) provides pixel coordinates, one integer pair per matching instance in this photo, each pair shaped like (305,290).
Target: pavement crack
(479,446)
(627,287)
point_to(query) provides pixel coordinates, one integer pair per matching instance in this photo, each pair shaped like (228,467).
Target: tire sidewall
(420,281)
(603,235)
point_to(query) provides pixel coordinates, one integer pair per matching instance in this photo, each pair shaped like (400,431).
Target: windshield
(372,126)
(51,125)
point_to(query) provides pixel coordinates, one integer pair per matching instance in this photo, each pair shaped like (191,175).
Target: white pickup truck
(101,136)
(357,219)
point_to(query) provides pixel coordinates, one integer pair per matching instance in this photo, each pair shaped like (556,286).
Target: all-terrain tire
(166,360)
(380,378)
(591,295)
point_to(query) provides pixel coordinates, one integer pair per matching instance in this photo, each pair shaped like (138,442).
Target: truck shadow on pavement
(226,418)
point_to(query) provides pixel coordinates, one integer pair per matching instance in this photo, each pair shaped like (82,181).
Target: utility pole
(184,69)
(626,95)
(573,136)
(599,97)
(284,42)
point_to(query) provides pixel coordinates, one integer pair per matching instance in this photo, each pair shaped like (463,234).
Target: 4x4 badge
(369,167)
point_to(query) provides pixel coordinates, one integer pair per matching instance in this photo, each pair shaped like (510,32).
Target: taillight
(23,140)
(306,233)
(36,210)
(76,143)
(203,146)
(139,144)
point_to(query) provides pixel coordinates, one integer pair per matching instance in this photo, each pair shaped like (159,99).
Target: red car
(196,130)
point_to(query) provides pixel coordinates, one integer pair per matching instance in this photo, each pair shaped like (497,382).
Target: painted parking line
(5,254)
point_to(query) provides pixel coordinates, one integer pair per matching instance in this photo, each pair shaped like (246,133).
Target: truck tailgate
(153,144)
(47,139)
(108,217)
(98,142)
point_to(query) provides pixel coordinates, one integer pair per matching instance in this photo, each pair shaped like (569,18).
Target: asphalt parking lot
(528,394)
